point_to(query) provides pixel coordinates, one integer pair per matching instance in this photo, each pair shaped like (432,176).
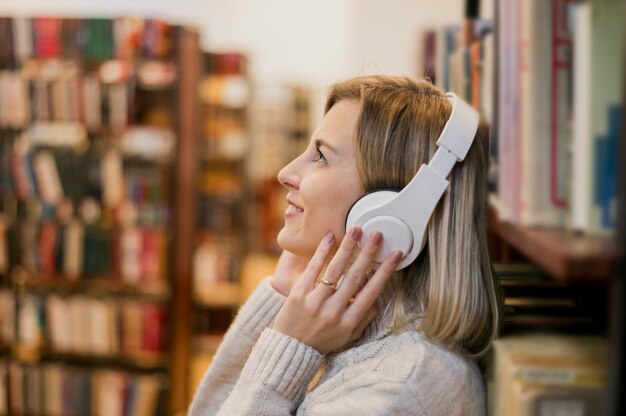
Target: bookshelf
(544,75)
(98,126)
(565,255)
(222,186)
(220,230)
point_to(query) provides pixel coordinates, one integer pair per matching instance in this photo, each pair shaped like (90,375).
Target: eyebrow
(320,143)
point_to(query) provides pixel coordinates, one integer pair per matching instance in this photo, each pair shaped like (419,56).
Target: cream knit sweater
(258,371)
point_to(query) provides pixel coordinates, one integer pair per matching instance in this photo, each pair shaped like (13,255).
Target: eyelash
(321,158)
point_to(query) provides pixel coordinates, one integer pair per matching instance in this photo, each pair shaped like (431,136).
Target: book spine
(23,38)
(561,76)
(4,249)
(537,104)
(508,105)
(582,171)
(47,175)
(47,37)
(130,255)
(7,54)
(73,249)
(48,236)
(153,323)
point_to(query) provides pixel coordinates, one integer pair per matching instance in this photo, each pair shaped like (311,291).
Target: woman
(334,333)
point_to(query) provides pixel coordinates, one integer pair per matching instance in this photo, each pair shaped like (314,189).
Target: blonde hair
(451,285)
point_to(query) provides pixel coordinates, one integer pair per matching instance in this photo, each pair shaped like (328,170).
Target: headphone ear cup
(396,233)
(366,203)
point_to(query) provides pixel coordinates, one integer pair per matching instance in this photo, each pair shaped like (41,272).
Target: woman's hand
(325,315)
(288,269)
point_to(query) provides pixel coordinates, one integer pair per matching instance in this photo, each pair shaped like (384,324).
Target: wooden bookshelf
(217,243)
(565,255)
(102,286)
(146,360)
(112,231)
(185,215)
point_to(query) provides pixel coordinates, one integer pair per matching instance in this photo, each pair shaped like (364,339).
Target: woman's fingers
(307,282)
(356,274)
(338,264)
(367,296)
(324,318)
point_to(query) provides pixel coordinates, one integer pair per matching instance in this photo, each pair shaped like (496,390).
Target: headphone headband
(458,133)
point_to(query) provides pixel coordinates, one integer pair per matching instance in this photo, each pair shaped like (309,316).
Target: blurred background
(139,147)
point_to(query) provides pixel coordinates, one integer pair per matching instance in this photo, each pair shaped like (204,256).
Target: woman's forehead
(337,127)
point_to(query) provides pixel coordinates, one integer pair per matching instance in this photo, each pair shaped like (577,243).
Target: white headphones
(402,216)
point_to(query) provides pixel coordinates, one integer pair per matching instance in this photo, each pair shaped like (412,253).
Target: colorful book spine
(99,39)
(23,38)
(7,53)
(509,105)
(47,37)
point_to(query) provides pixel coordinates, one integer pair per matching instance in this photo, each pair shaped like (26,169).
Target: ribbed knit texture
(379,374)
(255,315)
(278,359)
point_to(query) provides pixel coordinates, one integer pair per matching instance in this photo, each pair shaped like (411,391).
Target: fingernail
(355,233)
(377,237)
(395,256)
(329,238)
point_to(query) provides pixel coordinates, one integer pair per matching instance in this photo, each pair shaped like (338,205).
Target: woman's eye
(320,156)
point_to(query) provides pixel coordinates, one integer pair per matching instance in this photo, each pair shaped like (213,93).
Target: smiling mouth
(293,208)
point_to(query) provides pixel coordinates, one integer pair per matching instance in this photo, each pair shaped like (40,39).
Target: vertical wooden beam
(184,194)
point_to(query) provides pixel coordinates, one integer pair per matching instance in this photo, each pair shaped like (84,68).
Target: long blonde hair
(451,285)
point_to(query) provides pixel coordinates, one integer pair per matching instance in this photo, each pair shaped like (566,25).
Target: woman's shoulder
(429,357)
(439,377)
(410,355)
(411,359)
(405,370)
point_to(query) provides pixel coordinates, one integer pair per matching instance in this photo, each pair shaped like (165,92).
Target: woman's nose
(288,175)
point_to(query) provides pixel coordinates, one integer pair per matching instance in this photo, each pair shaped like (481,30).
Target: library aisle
(139,204)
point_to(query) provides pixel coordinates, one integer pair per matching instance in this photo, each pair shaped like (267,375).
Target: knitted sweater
(259,371)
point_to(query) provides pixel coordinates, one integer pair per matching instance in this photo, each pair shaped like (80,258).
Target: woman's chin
(282,239)
(294,244)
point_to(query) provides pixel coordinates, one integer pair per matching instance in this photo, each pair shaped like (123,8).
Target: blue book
(605,176)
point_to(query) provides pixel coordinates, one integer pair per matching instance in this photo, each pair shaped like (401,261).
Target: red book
(47,243)
(150,255)
(153,325)
(47,37)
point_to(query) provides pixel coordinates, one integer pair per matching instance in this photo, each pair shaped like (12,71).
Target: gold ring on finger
(331,285)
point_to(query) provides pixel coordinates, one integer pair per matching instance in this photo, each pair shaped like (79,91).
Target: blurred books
(549,81)
(545,374)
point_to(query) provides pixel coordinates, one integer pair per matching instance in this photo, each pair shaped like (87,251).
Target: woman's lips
(293,210)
